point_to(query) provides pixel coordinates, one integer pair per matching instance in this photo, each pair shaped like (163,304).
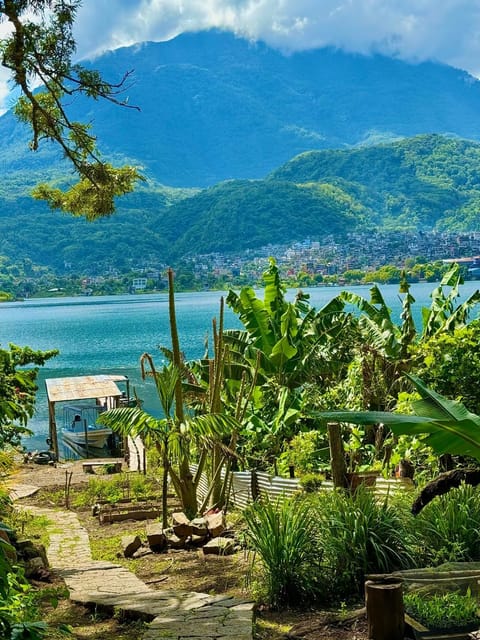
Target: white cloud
(443,30)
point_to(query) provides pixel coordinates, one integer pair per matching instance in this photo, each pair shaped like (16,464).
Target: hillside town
(357,258)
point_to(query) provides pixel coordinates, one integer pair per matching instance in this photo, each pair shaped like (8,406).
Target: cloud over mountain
(441,30)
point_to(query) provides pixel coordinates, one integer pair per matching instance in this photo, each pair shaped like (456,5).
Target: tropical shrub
(307,452)
(449,363)
(282,535)
(449,526)
(17,390)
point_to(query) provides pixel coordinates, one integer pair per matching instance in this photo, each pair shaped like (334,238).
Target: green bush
(311,482)
(282,535)
(308,453)
(449,526)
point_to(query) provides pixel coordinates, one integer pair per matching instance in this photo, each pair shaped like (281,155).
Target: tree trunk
(337,455)
(166,465)
(385,613)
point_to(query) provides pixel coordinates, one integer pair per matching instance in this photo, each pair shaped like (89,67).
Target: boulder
(27,549)
(215,523)
(175,542)
(35,568)
(220,546)
(198,541)
(156,538)
(181,525)
(130,544)
(199,527)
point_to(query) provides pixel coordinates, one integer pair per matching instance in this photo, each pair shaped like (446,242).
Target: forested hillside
(427,182)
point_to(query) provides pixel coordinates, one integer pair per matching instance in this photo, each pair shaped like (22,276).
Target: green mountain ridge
(428,182)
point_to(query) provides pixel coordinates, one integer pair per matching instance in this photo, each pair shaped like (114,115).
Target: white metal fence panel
(276,487)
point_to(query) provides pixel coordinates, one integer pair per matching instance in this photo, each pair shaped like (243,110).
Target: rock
(198,541)
(156,538)
(142,551)
(181,525)
(27,549)
(216,523)
(199,527)
(176,542)
(220,546)
(130,544)
(34,567)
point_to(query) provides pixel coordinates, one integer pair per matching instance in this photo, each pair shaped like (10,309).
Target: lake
(108,334)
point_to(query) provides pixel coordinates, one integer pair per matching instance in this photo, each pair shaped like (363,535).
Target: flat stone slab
(173,615)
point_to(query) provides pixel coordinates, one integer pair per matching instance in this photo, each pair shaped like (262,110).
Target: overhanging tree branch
(39,50)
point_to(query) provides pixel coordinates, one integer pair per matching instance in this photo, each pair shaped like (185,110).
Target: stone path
(172,615)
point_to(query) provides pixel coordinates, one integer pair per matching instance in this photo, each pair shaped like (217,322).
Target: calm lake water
(109,334)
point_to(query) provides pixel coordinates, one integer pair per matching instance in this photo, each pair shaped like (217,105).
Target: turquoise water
(109,334)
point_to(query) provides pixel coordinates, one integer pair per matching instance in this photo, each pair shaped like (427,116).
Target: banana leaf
(448,426)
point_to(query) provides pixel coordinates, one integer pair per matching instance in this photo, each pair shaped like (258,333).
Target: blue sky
(447,31)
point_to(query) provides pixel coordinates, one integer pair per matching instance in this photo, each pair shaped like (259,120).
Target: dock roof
(83,387)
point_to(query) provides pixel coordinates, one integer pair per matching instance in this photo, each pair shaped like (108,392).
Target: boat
(90,395)
(80,427)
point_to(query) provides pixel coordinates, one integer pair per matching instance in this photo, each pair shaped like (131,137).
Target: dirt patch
(50,475)
(188,570)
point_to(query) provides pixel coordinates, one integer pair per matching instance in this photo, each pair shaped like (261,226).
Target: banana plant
(447,425)
(287,345)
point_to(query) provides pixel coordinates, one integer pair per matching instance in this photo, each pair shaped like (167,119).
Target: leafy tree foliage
(39,49)
(450,364)
(17,390)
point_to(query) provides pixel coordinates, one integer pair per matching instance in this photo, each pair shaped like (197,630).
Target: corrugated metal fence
(274,487)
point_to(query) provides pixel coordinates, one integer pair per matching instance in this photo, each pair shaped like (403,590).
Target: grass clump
(360,535)
(439,612)
(319,547)
(449,526)
(281,534)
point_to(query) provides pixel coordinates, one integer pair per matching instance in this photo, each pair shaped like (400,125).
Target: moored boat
(92,395)
(80,426)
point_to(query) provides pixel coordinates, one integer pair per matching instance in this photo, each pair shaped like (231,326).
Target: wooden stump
(385,612)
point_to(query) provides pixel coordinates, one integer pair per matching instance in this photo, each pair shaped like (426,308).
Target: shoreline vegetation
(389,274)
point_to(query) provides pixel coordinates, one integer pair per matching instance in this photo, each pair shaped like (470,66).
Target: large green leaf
(447,425)
(254,316)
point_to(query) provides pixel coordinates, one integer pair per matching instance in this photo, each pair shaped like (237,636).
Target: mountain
(215,107)
(421,183)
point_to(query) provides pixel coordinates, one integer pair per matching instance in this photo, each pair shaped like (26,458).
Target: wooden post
(85,430)
(337,455)
(385,612)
